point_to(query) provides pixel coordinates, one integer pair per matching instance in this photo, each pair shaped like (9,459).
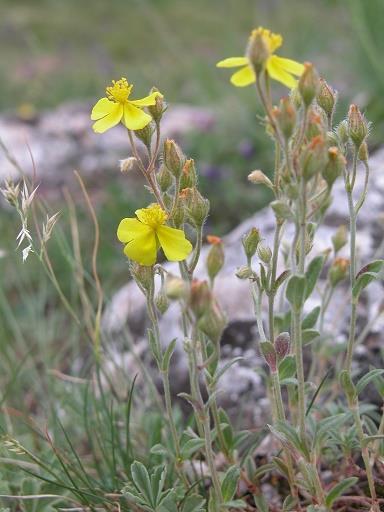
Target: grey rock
(61,140)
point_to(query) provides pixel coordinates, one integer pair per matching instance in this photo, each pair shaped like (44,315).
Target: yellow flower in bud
(116,107)
(278,68)
(146,234)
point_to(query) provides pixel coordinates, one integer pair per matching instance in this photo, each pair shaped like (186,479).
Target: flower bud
(326,98)
(314,157)
(173,157)
(178,216)
(250,242)
(145,135)
(212,323)
(342,131)
(308,83)
(315,124)
(158,108)
(268,352)
(196,206)
(215,258)
(143,276)
(340,238)
(164,178)
(200,298)
(258,50)
(363,152)
(244,272)
(175,288)
(357,126)
(127,164)
(264,253)
(338,271)
(285,116)
(282,345)
(281,210)
(334,167)
(258,177)
(332,139)
(188,177)
(162,302)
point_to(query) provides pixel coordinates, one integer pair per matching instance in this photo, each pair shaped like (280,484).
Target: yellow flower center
(119,90)
(271,40)
(153,216)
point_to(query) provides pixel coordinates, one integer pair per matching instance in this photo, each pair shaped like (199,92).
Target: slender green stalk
(298,344)
(365,455)
(272,292)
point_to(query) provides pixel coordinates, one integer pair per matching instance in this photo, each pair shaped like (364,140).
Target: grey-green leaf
(339,489)
(229,483)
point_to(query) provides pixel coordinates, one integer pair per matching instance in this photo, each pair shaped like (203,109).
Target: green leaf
(227,431)
(229,483)
(310,320)
(313,273)
(366,275)
(281,466)
(193,503)
(280,280)
(290,504)
(289,437)
(371,439)
(157,482)
(153,346)
(191,447)
(260,503)
(296,291)
(287,368)
(167,356)
(290,381)
(310,335)
(367,378)
(220,371)
(159,449)
(339,489)
(142,482)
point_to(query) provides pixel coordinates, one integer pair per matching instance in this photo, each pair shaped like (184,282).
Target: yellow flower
(108,112)
(278,68)
(146,234)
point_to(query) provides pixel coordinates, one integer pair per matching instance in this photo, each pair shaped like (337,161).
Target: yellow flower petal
(143,248)
(277,72)
(289,65)
(147,101)
(109,120)
(102,108)
(243,77)
(232,62)
(131,228)
(134,118)
(175,246)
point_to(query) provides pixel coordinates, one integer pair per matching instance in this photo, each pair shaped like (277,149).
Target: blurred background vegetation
(55,51)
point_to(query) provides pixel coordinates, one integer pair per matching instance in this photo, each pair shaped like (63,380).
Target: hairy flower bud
(158,108)
(268,352)
(173,157)
(342,131)
(175,288)
(212,323)
(314,157)
(338,271)
(282,345)
(326,98)
(250,242)
(357,126)
(200,298)
(143,276)
(196,206)
(244,272)
(258,50)
(340,238)
(145,135)
(334,167)
(258,177)
(162,302)
(264,253)
(308,83)
(316,123)
(164,178)
(363,154)
(188,177)
(215,258)
(285,117)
